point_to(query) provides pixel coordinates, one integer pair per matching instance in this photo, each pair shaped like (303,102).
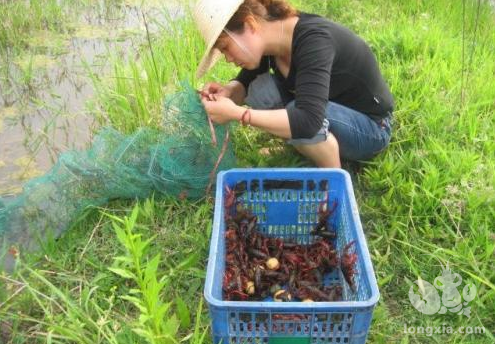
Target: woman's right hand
(217,89)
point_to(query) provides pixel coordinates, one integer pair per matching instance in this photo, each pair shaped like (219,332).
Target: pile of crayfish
(258,266)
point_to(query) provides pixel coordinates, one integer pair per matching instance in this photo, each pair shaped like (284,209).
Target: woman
(307,79)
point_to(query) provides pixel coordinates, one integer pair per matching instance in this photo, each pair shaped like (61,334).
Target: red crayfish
(347,265)
(258,266)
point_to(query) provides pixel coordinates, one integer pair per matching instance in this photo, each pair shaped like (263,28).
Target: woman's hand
(222,110)
(217,89)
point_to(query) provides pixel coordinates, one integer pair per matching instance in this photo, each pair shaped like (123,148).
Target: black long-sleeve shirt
(328,62)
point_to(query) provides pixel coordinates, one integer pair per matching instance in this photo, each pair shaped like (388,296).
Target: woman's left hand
(222,109)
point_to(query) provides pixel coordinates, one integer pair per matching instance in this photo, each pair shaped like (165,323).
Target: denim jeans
(360,137)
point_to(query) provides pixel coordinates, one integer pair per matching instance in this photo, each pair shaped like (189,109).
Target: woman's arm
(275,122)
(223,110)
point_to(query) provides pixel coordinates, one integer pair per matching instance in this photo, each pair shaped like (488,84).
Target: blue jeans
(360,137)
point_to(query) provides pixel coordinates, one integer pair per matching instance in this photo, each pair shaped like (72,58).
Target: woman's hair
(268,10)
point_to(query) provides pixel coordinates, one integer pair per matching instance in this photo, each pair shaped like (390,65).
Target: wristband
(243,121)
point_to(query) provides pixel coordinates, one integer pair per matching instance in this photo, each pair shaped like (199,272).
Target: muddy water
(44,97)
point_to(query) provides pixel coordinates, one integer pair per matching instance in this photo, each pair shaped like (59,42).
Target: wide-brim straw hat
(211,17)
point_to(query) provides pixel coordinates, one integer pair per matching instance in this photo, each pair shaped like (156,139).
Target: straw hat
(211,17)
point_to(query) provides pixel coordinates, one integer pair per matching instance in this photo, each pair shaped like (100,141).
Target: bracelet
(243,118)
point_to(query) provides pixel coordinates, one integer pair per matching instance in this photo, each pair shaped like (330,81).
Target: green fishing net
(179,160)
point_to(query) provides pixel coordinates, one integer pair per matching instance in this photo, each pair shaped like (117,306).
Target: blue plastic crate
(286,203)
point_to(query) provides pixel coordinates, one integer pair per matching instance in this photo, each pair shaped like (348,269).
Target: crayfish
(258,266)
(347,265)
(321,229)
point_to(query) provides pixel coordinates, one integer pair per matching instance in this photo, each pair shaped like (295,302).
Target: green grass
(426,201)
(20,19)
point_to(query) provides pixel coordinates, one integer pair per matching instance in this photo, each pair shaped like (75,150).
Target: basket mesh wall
(286,203)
